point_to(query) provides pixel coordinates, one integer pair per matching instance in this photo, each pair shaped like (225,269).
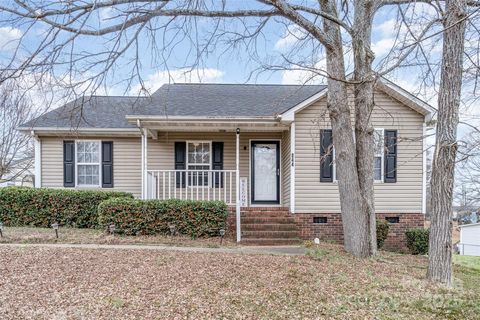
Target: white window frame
(99,163)
(334,164)
(382,162)
(187,164)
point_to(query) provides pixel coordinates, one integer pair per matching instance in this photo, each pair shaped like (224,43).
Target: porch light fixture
(172,229)
(222,234)
(55,227)
(111,228)
(1,229)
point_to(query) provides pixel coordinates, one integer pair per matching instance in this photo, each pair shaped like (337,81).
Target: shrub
(20,206)
(147,217)
(417,240)
(382,232)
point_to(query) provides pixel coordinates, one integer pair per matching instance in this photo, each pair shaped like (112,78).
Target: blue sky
(232,66)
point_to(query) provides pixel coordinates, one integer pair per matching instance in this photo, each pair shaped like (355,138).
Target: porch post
(237,189)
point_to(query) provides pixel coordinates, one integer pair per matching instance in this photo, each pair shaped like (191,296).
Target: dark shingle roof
(228,100)
(90,112)
(238,100)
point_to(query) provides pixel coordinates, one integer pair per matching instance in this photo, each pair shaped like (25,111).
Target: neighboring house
(206,141)
(469,244)
(21,175)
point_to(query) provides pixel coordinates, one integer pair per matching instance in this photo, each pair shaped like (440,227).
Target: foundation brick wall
(333,231)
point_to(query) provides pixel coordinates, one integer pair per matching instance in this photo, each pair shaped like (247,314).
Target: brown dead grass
(93,236)
(48,283)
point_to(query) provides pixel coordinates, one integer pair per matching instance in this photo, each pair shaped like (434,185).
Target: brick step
(270,242)
(269,227)
(264,214)
(246,209)
(270,234)
(267,220)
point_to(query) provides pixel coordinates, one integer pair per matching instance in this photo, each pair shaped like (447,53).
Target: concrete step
(270,234)
(269,227)
(270,242)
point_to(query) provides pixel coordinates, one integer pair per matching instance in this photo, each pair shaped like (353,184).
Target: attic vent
(393,219)
(319,219)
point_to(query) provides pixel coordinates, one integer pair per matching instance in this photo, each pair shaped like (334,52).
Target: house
(20,174)
(469,244)
(263,149)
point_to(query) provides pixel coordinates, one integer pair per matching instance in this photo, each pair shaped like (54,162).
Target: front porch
(245,165)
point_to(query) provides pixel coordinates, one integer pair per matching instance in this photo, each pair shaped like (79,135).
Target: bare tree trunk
(440,243)
(364,102)
(355,223)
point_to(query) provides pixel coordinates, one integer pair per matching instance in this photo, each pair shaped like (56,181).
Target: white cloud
(387,28)
(383,46)
(9,38)
(292,34)
(305,76)
(185,75)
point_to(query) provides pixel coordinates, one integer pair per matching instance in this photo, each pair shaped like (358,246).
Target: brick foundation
(333,231)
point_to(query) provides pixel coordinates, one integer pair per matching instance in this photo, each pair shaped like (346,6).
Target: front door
(265,172)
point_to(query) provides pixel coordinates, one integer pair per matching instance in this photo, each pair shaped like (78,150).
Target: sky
(169,54)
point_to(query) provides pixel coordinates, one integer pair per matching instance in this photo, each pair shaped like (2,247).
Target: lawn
(63,283)
(95,236)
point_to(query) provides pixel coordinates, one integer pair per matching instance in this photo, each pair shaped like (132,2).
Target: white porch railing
(192,185)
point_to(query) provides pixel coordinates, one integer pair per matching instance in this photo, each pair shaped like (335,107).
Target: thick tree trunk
(440,244)
(364,102)
(355,222)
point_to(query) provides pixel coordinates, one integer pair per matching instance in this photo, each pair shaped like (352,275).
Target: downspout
(139,125)
(37,160)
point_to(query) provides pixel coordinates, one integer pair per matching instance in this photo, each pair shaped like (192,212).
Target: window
(319,220)
(198,160)
(88,163)
(393,219)
(378,145)
(378,157)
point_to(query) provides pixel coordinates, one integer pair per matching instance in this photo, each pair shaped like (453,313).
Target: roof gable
(386,86)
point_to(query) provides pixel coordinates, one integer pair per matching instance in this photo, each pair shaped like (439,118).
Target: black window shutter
(180,163)
(326,156)
(217,163)
(107,164)
(69,164)
(390,175)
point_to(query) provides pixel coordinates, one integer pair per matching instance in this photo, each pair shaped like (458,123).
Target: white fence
(192,185)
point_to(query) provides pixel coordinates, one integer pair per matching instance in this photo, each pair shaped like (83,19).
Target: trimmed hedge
(417,240)
(40,207)
(147,217)
(382,232)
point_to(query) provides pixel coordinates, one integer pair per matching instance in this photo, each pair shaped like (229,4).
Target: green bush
(417,240)
(20,206)
(382,232)
(147,217)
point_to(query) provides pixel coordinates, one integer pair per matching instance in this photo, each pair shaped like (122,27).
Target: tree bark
(364,102)
(355,223)
(440,242)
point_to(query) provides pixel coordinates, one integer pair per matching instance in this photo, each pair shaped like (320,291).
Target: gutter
(131,118)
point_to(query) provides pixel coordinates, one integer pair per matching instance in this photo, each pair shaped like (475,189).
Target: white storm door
(265,172)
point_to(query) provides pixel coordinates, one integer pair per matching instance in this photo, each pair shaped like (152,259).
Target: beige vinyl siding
(126,163)
(404,196)
(286,168)
(161,152)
